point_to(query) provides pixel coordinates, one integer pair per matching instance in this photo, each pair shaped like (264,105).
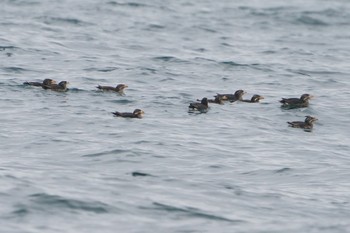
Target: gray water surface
(68,165)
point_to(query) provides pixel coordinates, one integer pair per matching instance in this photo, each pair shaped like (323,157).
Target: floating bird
(46,82)
(138,113)
(254,99)
(216,100)
(307,124)
(119,88)
(301,102)
(232,97)
(200,106)
(61,86)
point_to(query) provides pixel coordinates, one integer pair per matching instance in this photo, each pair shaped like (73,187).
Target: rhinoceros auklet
(138,113)
(254,99)
(232,97)
(291,103)
(46,82)
(307,124)
(202,106)
(216,100)
(61,86)
(119,88)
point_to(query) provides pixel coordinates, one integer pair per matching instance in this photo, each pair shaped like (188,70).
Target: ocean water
(68,165)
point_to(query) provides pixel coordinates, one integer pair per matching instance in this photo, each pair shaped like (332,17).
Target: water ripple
(140,174)
(130,4)
(50,201)
(191,212)
(58,20)
(14,69)
(169,59)
(282,170)
(111,152)
(308,20)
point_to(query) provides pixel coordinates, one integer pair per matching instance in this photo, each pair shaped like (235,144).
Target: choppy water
(67,165)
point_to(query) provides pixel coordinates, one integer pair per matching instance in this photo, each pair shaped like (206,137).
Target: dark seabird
(46,82)
(307,124)
(232,97)
(119,88)
(301,102)
(138,113)
(254,99)
(200,106)
(62,86)
(216,100)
